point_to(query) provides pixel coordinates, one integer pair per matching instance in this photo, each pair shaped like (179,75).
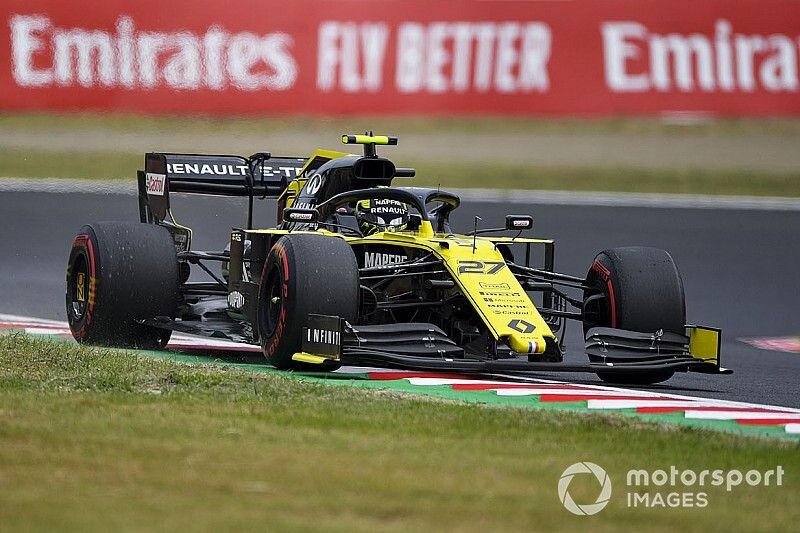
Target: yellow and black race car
(358,271)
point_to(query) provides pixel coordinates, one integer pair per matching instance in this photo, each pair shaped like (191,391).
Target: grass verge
(100,439)
(117,165)
(98,146)
(54,164)
(669,125)
(640,180)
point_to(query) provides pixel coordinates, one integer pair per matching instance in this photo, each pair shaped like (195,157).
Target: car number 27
(480,267)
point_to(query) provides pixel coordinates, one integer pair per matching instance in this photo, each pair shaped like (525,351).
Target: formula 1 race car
(358,271)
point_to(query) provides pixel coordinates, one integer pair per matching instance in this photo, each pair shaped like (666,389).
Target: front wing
(426,347)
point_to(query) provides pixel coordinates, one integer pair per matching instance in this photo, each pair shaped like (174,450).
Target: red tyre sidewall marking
(613,303)
(280,251)
(605,274)
(83,241)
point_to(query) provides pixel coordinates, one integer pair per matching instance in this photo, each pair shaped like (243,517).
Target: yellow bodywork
(485,280)
(704,343)
(481,275)
(305,357)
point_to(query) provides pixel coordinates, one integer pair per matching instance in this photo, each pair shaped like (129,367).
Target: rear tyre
(638,289)
(118,273)
(304,274)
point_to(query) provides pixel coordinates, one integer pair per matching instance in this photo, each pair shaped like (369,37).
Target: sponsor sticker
(80,289)
(501,296)
(304,205)
(480,267)
(378,259)
(155,183)
(494,286)
(323,336)
(235,300)
(209,169)
(271,171)
(314,184)
(521,325)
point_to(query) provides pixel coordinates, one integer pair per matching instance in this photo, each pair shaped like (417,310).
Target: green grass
(106,160)
(99,439)
(114,166)
(643,180)
(54,164)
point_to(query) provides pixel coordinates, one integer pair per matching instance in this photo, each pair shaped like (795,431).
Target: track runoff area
(492,389)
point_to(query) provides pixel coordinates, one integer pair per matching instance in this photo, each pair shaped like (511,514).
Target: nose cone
(527,343)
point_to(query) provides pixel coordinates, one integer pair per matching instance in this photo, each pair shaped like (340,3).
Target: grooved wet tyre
(638,289)
(304,274)
(118,273)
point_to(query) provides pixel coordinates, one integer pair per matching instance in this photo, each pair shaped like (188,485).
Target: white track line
(675,397)
(454,381)
(49,330)
(187,342)
(733,415)
(689,407)
(16,319)
(652,402)
(38,326)
(511,196)
(566,391)
(432,382)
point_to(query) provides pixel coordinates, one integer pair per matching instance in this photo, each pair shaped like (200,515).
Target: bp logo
(589,508)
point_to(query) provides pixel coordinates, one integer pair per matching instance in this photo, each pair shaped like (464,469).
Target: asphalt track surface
(740,267)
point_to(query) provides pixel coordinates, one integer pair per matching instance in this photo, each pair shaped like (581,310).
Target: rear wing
(261,175)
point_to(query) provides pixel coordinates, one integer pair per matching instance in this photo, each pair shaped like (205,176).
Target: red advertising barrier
(579,57)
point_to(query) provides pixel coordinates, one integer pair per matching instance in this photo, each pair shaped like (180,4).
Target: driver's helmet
(381,215)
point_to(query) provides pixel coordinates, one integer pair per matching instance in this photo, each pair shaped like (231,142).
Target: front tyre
(119,273)
(304,274)
(637,289)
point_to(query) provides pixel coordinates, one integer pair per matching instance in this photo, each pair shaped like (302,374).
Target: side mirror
(519,222)
(300,215)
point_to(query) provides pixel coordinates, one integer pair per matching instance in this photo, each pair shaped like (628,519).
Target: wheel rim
(274,302)
(78,287)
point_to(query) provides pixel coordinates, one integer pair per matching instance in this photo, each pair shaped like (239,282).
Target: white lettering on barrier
(130,59)
(351,53)
(725,62)
(510,57)
(437,57)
